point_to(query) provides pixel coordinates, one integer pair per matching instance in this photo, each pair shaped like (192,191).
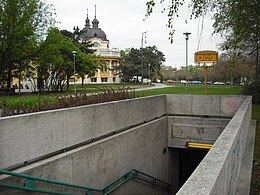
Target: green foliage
(194,89)
(252,89)
(56,61)
(84,46)
(236,20)
(132,62)
(22,26)
(41,104)
(198,7)
(255,182)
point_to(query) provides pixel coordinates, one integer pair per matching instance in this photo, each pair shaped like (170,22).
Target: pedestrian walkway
(154,86)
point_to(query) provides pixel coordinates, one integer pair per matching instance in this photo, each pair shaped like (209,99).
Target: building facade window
(104,67)
(93,80)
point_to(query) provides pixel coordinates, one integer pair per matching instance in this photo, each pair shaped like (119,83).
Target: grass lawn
(255,183)
(33,98)
(194,89)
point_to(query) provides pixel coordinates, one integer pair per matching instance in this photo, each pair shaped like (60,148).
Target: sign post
(206,56)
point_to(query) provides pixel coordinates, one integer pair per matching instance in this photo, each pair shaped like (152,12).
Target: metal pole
(206,79)
(186,65)
(257,61)
(149,73)
(186,37)
(142,43)
(74,59)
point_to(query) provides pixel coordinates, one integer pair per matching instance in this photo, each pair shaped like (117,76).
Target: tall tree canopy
(56,64)
(23,24)
(150,58)
(236,20)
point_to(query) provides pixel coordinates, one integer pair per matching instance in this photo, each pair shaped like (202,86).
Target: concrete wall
(26,137)
(30,136)
(99,163)
(219,171)
(183,129)
(223,106)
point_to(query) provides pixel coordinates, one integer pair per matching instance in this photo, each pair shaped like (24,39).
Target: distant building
(109,59)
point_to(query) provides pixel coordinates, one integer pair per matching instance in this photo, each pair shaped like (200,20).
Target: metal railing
(29,183)
(108,53)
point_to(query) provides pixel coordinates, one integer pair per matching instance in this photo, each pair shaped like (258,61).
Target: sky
(123,22)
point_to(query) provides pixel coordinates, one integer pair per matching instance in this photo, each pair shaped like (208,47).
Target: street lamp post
(186,37)
(142,44)
(149,73)
(74,59)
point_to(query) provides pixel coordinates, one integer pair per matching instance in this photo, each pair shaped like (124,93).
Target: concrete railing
(29,136)
(219,171)
(200,105)
(108,53)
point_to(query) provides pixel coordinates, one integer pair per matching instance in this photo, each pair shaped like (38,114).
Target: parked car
(146,81)
(219,83)
(196,82)
(209,82)
(136,79)
(183,81)
(170,81)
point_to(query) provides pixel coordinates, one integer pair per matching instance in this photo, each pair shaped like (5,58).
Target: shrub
(43,104)
(252,89)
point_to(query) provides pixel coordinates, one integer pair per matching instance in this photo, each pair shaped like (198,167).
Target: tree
(236,20)
(56,65)
(233,67)
(84,46)
(87,64)
(148,59)
(22,25)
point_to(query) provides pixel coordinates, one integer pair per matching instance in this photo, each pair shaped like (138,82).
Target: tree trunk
(257,62)
(68,85)
(82,81)
(19,83)
(9,79)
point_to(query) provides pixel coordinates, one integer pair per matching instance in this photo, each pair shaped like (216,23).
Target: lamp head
(187,35)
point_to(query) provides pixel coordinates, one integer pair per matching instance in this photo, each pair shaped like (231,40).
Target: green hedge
(252,89)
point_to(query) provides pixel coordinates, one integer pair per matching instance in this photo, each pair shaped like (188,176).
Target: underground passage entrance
(189,159)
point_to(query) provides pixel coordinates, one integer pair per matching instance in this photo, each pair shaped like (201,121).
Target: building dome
(93,33)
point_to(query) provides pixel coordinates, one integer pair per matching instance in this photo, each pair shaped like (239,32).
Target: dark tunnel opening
(189,159)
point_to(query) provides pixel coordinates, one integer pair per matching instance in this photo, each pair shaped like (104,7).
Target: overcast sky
(122,21)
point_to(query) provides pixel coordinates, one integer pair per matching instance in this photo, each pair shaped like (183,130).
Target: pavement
(155,86)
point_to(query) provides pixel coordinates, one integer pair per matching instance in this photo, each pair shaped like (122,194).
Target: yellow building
(109,58)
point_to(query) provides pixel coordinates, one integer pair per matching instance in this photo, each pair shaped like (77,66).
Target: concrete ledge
(219,171)
(29,136)
(211,105)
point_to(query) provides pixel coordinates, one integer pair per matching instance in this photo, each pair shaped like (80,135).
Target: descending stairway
(29,183)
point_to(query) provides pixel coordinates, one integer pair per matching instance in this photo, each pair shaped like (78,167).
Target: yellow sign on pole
(206,56)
